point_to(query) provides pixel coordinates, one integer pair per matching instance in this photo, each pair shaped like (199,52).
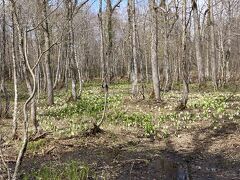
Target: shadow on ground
(140,158)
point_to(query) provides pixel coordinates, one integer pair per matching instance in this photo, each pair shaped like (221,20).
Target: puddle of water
(169,170)
(156,169)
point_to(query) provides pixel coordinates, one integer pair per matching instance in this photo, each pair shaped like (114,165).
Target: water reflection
(169,170)
(156,169)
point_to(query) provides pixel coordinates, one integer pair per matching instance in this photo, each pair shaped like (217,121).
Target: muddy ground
(120,153)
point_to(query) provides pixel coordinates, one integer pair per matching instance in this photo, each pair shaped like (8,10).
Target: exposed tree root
(93,131)
(182,106)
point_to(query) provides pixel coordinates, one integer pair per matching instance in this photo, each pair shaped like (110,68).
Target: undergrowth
(70,171)
(76,117)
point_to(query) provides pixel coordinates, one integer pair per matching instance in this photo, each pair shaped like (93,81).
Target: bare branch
(40,57)
(116,5)
(79,7)
(44,19)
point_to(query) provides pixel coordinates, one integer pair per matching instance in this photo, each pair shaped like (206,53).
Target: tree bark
(109,39)
(3,87)
(167,70)
(197,38)
(154,49)
(184,61)
(133,30)
(15,79)
(102,45)
(212,45)
(71,48)
(50,95)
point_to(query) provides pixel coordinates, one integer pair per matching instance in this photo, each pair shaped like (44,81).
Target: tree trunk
(15,108)
(50,95)
(102,45)
(229,42)
(154,49)
(58,73)
(197,39)
(212,45)
(167,70)
(133,30)
(184,61)
(109,37)
(207,71)
(71,49)
(3,66)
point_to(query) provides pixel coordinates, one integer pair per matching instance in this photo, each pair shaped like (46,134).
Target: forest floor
(141,139)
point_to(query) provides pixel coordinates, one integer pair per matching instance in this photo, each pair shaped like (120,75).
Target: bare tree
(50,95)
(154,48)
(212,44)
(22,32)
(134,68)
(15,79)
(184,61)
(133,31)
(71,46)
(102,45)
(166,58)
(197,38)
(227,73)
(3,67)
(23,49)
